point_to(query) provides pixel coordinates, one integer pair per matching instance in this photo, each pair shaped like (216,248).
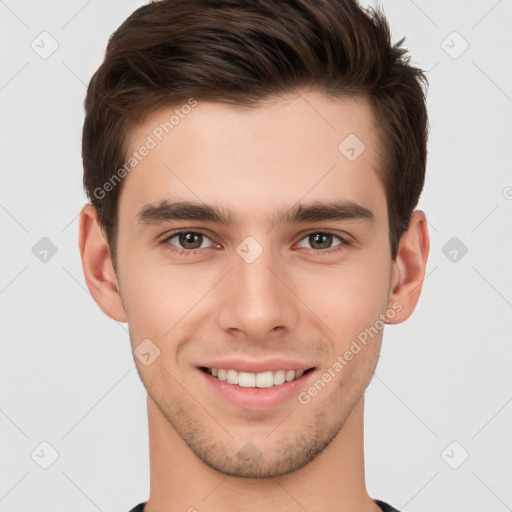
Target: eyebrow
(158,213)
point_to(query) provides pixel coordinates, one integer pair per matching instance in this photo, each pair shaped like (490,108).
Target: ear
(99,273)
(409,268)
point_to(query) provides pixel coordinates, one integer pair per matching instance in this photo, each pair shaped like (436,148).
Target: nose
(256,300)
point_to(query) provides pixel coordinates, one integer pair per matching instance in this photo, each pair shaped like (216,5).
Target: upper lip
(245,365)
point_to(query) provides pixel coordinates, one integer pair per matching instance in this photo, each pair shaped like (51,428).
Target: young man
(253,169)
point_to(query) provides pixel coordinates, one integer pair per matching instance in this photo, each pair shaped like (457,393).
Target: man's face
(265,286)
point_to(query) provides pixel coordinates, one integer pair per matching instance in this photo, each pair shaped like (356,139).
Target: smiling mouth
(255,380)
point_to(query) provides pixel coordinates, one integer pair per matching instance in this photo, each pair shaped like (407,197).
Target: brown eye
(321,240)
(188,240)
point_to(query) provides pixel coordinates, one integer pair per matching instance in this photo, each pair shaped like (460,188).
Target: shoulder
(386,507)
(139,507)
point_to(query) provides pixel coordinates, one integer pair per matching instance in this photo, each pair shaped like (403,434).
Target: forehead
(297,146)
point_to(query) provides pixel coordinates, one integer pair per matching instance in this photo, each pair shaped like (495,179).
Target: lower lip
(256,399)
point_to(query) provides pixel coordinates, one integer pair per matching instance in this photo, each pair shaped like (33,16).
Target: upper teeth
(258,380)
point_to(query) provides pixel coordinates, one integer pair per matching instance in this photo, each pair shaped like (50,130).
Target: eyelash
(316,252)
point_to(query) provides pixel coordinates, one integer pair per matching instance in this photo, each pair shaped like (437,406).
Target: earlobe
(97,265)
(409,268)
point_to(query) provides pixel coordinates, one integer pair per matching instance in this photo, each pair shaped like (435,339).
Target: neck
(334,480)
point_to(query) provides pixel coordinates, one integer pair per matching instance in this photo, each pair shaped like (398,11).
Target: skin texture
(294,301)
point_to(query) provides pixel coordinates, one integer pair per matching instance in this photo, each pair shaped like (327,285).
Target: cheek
(159,297)
(347,298)
(144,295)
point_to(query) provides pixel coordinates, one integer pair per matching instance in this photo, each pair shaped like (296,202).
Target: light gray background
(68,377)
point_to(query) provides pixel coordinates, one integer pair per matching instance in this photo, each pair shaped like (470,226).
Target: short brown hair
(240,52)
